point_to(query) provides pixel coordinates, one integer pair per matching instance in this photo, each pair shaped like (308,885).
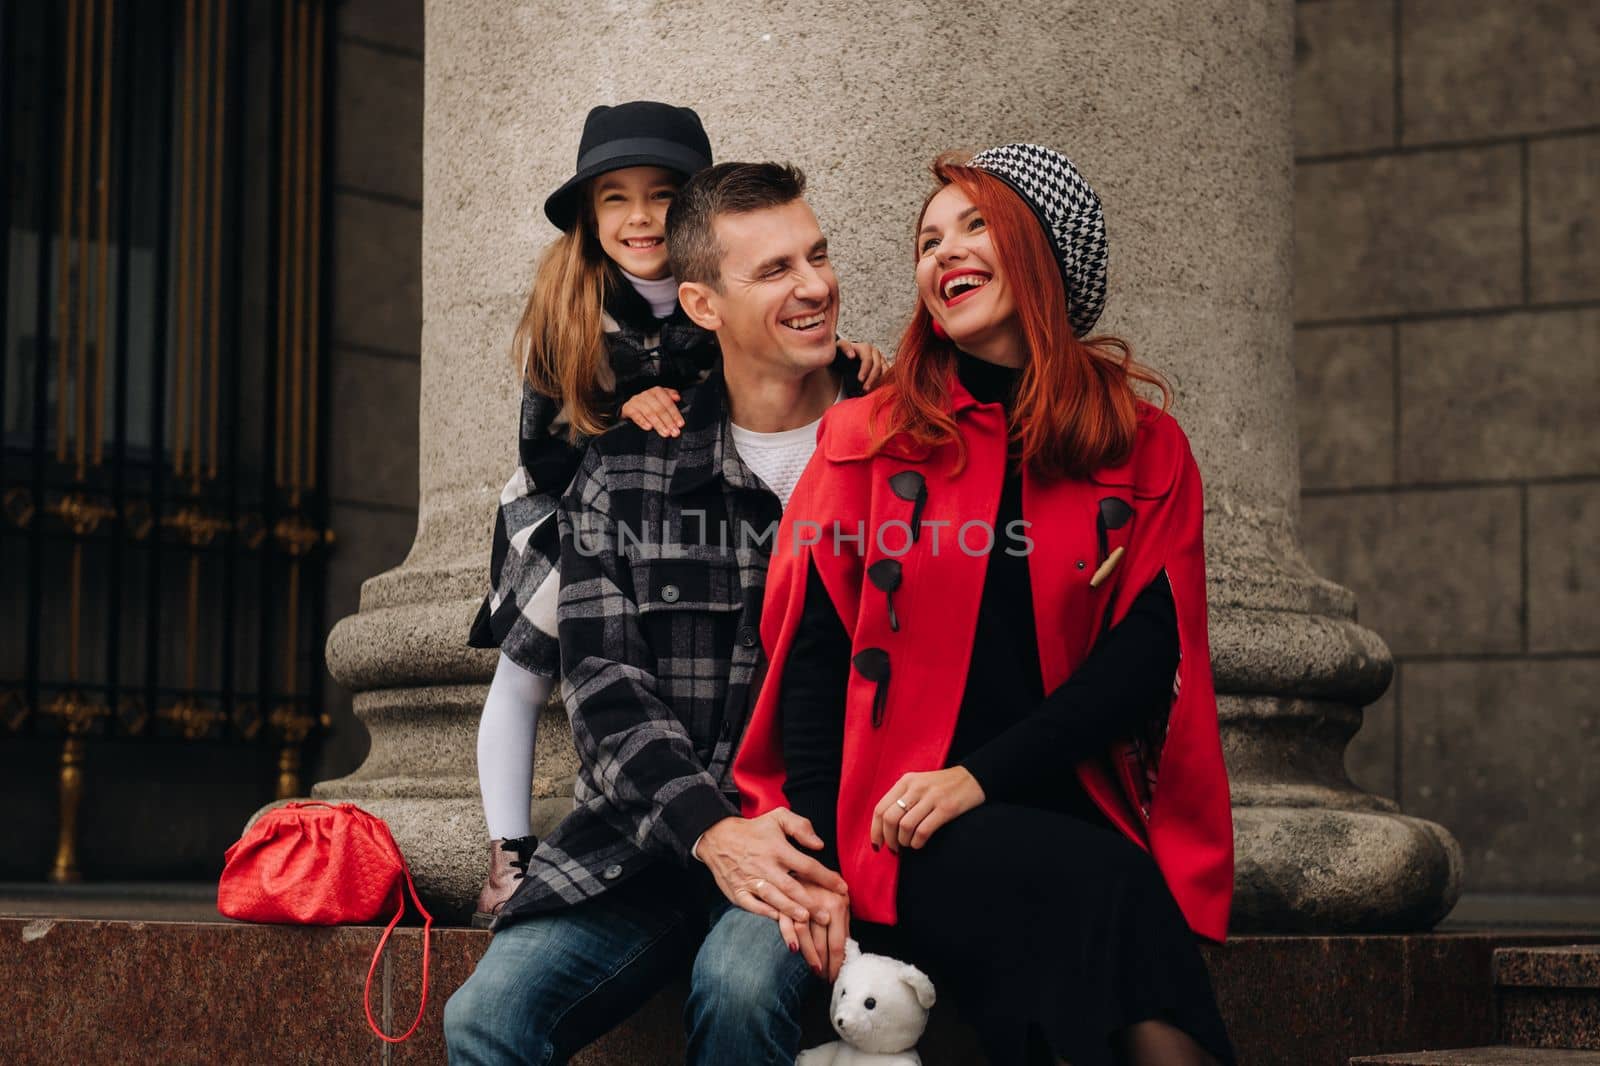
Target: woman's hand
(919,804)
(655,408)
(821,939)
(873,363)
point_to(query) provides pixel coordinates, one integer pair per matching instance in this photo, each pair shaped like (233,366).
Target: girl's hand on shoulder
(919,804)
(655,408)
(873,363)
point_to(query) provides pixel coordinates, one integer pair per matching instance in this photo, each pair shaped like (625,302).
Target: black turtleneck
(1020,744)
(1004,676)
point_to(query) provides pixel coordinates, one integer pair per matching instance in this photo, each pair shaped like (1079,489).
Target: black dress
(1048,928)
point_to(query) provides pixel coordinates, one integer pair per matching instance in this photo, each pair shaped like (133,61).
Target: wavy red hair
(1077,409)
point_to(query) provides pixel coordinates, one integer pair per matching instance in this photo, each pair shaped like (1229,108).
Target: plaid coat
(664,546)
(518,616)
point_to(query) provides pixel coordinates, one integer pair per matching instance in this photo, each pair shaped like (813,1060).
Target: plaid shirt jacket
(664,546)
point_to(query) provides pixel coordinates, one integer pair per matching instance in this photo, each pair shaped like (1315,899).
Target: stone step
(181,991)
(1561,966)
(1549,997)
(1484,1056)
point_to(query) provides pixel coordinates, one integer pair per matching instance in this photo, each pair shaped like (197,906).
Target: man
(664,545)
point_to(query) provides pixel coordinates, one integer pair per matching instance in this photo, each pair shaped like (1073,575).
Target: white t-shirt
(778,458)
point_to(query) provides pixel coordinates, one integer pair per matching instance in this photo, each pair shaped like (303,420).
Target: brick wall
(1447,348)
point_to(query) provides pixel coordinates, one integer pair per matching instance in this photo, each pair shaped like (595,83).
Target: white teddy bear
(880,1006)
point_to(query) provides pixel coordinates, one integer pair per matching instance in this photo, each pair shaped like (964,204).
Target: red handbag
(323,864)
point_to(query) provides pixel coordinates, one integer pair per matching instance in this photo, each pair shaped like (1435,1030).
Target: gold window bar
(197,292)
(76,712)
(297,312)
(285,150)
(180,355)
(85,148)
(107,50)
(291,679)
(219,112)
(314,194)
(75,604)
(65,868)
(63,292)
(192,629)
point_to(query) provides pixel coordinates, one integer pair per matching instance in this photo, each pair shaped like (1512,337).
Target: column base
(420,776)
(1313,869)
(1312,852)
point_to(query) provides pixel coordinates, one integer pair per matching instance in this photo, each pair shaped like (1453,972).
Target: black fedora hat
(642,133)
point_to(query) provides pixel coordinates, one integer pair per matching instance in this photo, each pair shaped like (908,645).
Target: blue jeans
(554,983)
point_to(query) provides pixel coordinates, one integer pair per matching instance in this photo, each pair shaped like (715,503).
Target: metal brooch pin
(1106,567)
(885,575)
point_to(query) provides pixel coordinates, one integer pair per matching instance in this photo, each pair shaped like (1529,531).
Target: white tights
(505,747)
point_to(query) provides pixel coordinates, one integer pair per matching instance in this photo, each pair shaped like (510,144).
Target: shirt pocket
(674,587)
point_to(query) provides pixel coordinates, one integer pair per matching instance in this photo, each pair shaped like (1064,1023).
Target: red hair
(1076,409)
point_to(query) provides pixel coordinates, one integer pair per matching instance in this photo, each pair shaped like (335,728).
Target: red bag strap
(427,928)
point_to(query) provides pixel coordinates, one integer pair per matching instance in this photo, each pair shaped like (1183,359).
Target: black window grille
(163,342)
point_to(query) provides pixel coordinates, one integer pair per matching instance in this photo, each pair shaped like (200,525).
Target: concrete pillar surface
(1176,110)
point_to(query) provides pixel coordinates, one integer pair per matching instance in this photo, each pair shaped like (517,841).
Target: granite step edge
(1496,1055)
(1550,1017)
(1572,966)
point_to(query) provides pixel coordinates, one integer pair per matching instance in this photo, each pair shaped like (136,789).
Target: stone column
(1177,110)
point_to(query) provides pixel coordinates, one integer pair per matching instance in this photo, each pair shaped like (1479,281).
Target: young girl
(602,336)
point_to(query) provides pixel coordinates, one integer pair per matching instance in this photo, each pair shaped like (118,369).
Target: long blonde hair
(559,346)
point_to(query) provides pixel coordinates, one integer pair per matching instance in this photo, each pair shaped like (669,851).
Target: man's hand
(820,940)
(757,867)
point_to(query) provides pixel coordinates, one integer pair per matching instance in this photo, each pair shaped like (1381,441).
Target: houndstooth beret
(1070,213)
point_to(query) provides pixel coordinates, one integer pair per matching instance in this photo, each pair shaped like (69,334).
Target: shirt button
(612,873)
(747,636)
(669,593)
(1080,564)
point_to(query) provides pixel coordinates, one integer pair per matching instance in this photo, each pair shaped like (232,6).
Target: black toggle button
(910,486)
(1114,514)
(873,664)
(885,575)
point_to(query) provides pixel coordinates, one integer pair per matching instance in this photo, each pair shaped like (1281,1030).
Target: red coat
(1180,814)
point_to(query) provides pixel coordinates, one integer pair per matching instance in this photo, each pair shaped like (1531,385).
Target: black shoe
(508,864)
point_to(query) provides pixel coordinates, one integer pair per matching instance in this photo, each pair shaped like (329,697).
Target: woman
(989,683)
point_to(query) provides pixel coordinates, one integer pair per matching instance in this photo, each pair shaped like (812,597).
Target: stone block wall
(376,209)
(1447,347)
